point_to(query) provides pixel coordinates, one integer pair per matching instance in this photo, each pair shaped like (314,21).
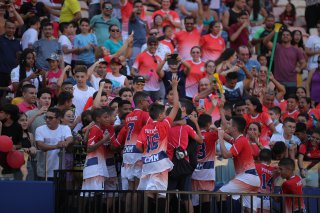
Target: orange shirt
(197,71)
(212,47)
(174,15)
(186,40)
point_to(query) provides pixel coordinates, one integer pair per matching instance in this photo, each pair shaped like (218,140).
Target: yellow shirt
(17,100)
(69,8)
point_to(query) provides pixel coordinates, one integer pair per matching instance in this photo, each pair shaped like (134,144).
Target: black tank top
(233,17)
(25,142)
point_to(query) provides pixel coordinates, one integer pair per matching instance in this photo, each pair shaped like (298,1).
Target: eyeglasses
(153,34)
(108,8)
(115,31)
(49,118)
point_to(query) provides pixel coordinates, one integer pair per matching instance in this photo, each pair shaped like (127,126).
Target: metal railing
(70,198)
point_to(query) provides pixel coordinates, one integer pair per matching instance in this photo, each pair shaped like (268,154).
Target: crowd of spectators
(145,83)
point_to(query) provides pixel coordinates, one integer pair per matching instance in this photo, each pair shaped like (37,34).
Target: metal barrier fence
(70,198)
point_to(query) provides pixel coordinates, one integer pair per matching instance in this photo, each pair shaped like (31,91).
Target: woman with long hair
(226,63)
(157,24)
(255,114)
(257,143)
(212,44)
(288,16)
(26,71)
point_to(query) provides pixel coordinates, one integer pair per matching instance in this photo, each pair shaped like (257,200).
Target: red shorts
(203,185)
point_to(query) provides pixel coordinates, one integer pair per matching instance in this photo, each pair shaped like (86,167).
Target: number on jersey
(130,127)
(266,183)
(152,142)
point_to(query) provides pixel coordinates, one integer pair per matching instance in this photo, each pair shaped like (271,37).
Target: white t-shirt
(279,137)
(50,137)
(15,75)
(29,37)
(279,128)
(95,81)
(117,82)
(64,41)
(80,98)
(314,44)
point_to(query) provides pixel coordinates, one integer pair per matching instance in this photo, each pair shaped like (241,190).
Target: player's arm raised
(174,83)
(224,152)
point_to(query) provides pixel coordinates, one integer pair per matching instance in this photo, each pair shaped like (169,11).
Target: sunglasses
(115,31)
(108,8)
(49,117)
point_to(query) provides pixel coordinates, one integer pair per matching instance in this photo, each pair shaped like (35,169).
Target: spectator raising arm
(174,83)
(281,90)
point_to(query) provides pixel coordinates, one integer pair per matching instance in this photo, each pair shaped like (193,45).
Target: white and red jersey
(206,154)
(128,135)
(212,47)
(197,71)
(186,40)
(173,14)
(147,64)
(293,114)
(169,44)
(95,163)
(242,155)
(153,139)
(293,186)
(266,178)
(263,119)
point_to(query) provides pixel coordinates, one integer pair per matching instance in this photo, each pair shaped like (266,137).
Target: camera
(173,59)
(180,153)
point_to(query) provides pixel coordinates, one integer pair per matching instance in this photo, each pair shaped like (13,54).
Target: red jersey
(197,71)
(263,119)
(293,114)
(293,186)
(211,46)
(242,155)
(95,135)
(186,40)
(207,150)
(265,174)
(308,151)
(153,139)
(147,64)
(179,135)
(128,135)
(173,14)
(169,44)
(255,149)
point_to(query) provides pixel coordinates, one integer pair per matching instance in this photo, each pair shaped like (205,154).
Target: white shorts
(94,183)
(131,171)
(237,186)
(157,181)
(265,201)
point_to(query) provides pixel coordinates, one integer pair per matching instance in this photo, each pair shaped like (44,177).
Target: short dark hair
(64,97)
(115,100)
(123,102)
(204,120)
(107,81)
(301,127)
(80,68)
(66,83)
(189,18)
(96,113)
(108,110)
(260,56)
(256,102)
(188,105)
(33,20)
(265,155)
(257,124)
(96,93)
(84,20)
(276,110)
(308,100)
(232,76)
(43,91)
(56,111)
(304,114)
(12,110)
(287,162)
(178,115)
(63,26)
(28,86)
(155,110)
(239,122)
(46,23)
(288,120)
(124,89)
(293,96)
(139,96)
(278,148)
(84,117)
(106,2)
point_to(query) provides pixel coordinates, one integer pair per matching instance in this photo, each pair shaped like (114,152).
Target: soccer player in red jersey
(246,179)
(292,107)
(153,142)
(127,139)
(266,175)
(292,185)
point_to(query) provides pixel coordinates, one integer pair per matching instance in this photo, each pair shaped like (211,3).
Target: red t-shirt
(95,135)
(179,134)
(207,150)
(186,40)
(242,155)
(197,72)
(307,150)
(212,47)
(293,186)
(174,15)
(263,119)
(293,114)
(243,38)
(265,174)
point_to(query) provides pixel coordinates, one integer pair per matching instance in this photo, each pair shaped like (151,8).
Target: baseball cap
(115,61)
(138,79)
(152,39)
(53,57)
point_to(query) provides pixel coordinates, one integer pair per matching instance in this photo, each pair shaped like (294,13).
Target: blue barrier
(27,196)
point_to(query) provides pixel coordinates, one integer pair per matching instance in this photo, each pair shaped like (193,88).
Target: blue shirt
(182,83)
(101,27)
(139,28)
(250,63)
(81,41)
(8,54)
(113,47)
